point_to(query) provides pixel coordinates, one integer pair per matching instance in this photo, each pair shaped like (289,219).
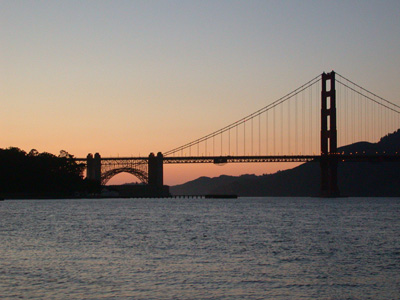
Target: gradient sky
(133,77)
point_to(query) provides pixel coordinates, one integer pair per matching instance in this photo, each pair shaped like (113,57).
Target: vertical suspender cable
(237,141)
(387,122)
(346,115)
(221,143)
(281,128)
(303,122)
(229,141)
(295,125)
(244,138)
(367,124)
(251,136)
(311,120)
(353,113)
(213,141)
(273,133)
(361,117)
(318,118)
(339,117)
(288,114)
(373,120)
(259,134)
(266,133)
(381,121)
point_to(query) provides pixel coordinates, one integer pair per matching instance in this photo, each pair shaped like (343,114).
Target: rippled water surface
(246,248)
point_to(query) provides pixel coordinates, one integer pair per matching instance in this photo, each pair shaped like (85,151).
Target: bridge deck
(258,159)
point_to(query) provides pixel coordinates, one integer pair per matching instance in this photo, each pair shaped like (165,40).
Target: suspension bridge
(308,124)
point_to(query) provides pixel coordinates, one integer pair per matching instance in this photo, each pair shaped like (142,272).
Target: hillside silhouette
(355,178)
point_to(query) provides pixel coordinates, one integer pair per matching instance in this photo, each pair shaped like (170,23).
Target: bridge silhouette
(307,124)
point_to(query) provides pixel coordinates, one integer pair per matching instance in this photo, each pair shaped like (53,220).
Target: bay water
(191,248)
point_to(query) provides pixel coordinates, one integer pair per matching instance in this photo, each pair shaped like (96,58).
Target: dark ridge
(355,178)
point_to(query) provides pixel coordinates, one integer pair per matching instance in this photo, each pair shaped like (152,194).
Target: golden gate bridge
(308,124)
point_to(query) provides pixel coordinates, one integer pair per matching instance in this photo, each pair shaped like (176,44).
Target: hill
(355,179)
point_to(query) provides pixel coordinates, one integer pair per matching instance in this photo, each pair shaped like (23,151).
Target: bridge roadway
(149,170)
(256,159)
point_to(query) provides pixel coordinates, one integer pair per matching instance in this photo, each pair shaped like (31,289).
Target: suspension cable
(251,116)
(369,98)
(355,84)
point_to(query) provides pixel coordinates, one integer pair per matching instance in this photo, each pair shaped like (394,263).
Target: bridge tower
(156,177)
(93,171)
(328,162)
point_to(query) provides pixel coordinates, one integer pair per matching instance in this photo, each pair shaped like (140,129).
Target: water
(246,248)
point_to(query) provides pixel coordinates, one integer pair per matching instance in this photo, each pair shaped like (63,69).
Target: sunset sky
(126,78)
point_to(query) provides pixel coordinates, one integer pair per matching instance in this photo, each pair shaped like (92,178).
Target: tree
(39,173)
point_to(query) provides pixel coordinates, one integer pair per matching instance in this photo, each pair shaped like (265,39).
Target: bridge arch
(140,174)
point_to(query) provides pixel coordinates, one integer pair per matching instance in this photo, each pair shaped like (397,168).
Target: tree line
(40,174)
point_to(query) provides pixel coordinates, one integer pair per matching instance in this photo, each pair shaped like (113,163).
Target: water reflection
(250,248)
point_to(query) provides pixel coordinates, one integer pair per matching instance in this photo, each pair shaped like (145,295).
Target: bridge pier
(328,162)
(329,183)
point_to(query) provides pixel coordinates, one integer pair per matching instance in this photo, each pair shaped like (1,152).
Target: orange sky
(126,78)
(181,173)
